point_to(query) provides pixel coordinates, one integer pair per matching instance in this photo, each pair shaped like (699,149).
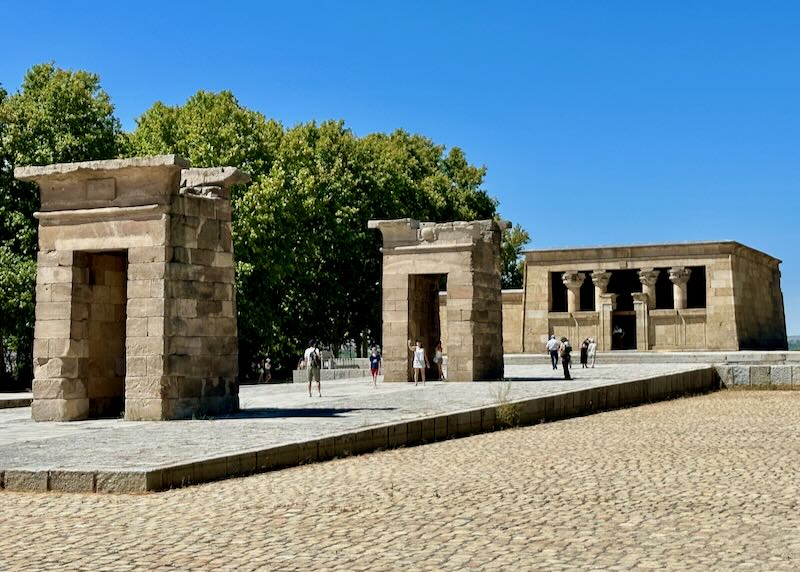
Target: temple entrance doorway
(623,330)
(424,316)
(99,316)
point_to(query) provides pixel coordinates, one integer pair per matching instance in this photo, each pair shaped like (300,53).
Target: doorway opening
(100,298)
(623,330)
(425,307)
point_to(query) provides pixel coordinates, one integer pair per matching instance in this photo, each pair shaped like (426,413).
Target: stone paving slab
(279,425)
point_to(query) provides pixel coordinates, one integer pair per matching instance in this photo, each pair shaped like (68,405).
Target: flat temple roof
(667,249)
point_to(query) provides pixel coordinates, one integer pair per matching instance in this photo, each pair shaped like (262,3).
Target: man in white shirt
(313,364)
(553,345)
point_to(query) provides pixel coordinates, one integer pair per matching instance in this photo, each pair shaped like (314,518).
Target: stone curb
(369,439)
(13,403)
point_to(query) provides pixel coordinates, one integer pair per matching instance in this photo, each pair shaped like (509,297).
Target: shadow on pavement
(270,412)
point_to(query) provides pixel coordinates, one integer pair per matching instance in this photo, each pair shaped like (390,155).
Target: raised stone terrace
(279,426)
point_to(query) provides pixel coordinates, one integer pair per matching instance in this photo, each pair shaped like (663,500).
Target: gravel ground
(703,483)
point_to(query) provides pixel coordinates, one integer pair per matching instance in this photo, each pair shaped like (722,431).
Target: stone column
(648,278)
(573,281)
(600,278)
(608,303)
(640,304)
(679,277)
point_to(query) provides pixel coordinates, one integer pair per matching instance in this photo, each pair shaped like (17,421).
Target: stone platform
(280,426)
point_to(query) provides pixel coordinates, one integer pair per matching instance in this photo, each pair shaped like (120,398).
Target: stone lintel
(412,233)
(92,169)
(224,177)
(77,216)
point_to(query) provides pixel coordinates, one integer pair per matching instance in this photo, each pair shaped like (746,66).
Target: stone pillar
(679,277)
(648,278)
(608,303)
(573,281)
(640,304)
(135,299)
(600,278)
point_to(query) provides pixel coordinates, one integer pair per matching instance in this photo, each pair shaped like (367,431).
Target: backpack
(566,350)
(314,360)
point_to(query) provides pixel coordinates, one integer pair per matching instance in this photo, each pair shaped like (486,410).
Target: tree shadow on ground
(276,412)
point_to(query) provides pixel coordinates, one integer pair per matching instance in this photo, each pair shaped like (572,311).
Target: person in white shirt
(553,345)
(313,362)
(419,361)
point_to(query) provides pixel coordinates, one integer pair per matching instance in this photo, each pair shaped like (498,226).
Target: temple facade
(665,297)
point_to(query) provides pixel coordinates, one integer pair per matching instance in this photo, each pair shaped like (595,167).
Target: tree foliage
(56,116)
(514,240)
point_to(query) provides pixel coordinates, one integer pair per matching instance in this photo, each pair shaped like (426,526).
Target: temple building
(663,297)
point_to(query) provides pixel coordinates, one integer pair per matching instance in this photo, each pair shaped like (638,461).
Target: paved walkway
(273,415)
(707,483)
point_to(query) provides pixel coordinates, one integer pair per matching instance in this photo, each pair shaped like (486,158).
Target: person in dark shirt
(374,366)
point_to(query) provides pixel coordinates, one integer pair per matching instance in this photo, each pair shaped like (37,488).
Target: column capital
(601,278)
(649,276)
(639,297)
(679,275)
(573,280)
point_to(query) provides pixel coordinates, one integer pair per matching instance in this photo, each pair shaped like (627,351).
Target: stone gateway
(135,307)
(421,259)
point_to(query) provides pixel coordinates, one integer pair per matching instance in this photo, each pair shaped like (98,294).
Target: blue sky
(599,122)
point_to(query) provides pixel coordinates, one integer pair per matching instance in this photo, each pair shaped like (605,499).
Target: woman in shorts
(419,361)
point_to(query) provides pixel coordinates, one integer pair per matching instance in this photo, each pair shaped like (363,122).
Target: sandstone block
(59,409)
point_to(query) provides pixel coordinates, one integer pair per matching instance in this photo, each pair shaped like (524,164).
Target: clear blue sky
(599,122)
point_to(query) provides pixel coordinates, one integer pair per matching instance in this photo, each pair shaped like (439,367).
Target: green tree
(514,240)
(56,116)
(307,266)
(210,129)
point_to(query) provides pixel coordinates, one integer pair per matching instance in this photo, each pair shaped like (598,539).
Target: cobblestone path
(707,483)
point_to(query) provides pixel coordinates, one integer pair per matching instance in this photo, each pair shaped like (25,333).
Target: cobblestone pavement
(273,415)
(703,483)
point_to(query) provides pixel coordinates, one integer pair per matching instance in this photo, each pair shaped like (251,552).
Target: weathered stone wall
(760,317)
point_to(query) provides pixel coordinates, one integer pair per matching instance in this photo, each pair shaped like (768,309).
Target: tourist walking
(592,351)
(553,346)
(374,366)
(419,361)
(438,359)
(585,353)
(566,353)
(313,362)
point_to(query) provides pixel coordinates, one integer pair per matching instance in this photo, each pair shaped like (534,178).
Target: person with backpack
(566,353)
(313,365)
